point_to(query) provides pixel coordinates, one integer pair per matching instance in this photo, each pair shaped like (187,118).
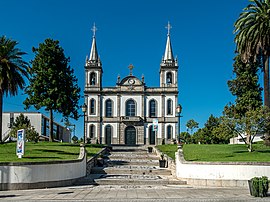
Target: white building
(239,139)
(124,114)
(39,122)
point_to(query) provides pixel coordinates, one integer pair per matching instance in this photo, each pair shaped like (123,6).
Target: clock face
(131,81)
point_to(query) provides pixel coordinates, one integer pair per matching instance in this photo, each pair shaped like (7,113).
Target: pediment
(130,80)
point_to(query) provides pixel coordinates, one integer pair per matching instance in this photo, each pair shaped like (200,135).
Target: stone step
(104,179)
(124,156)
(137,170)
(117,162)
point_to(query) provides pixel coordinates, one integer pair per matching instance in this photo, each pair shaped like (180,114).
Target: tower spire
(94,53)
(168,55)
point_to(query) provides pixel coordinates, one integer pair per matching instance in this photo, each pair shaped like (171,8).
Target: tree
(255,121)
(13,70)
(245,86)
(186,137)
(22,122)
(191,125)
(53,84)
(253,37)
(213,132)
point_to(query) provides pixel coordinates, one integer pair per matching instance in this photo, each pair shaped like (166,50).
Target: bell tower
(93,67)
(168,66)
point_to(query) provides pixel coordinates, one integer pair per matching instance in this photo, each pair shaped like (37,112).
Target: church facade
(130,112)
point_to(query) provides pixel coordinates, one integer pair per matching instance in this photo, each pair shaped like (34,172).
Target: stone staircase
(130,165)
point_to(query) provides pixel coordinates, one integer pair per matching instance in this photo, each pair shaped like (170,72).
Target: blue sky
(134,32)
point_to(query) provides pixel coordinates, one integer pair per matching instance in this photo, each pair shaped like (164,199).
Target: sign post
(20,143)
(155,128)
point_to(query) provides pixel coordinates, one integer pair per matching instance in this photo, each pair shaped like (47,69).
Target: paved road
(131,193)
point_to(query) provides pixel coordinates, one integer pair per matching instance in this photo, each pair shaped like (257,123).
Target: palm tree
(12,71)
(252,38)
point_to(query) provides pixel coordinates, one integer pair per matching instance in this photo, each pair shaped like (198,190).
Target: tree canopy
(252,37)
(13,71)
(245,86)
(191,125)
(254,122)
(53,84)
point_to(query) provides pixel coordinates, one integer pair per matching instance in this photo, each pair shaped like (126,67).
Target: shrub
(259,186)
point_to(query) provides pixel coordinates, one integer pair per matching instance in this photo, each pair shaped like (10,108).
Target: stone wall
(219,174)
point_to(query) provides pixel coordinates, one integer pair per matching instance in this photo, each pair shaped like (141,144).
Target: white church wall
(114,99)
(173,130)
(114,129)
(88,130)
(159,103)
(137,99)
(172,97)
(95,97)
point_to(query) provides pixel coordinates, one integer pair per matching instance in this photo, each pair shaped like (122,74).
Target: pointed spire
(94,53)
(168,55)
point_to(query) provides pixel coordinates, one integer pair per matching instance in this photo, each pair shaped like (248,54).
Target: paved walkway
(131,193)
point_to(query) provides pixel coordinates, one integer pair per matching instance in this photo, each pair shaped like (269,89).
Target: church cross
(130,69)
(94,29)
(168,27)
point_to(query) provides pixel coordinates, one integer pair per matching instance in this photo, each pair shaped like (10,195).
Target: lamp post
(178,111)
(84,109)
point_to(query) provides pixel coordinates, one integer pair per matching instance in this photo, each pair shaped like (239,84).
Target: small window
(108,107)
(93,79)
(92,106)
(130,108)
(169,107)
(169,78)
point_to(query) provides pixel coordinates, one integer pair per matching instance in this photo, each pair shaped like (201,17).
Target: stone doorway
(130,135)
(152,136)
(108,135)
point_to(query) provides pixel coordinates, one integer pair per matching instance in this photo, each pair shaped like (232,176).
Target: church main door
(130,135)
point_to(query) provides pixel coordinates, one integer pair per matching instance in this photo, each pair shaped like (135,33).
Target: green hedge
(259,186)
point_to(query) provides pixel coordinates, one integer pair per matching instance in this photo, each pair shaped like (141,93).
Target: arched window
(169,107)
(108,108)
(152,108)
(130,108)
(169,78)
(92,131)
(169,132)
(92,106)
(93,79)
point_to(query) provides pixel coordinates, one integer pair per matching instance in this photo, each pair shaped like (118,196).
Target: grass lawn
(220,152)
(168,149)
(45,151)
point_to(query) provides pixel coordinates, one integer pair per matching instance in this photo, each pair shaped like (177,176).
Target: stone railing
(42,174)
(219,174)
(92,162)
(170,161)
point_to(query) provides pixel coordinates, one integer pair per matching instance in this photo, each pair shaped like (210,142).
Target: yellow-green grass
(220,152)
(45,151)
